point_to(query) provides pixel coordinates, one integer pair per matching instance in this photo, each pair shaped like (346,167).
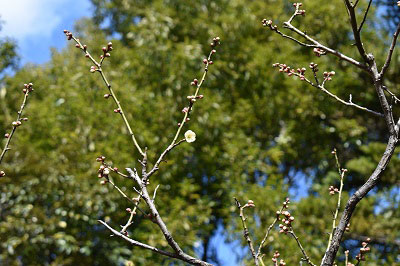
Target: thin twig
(161,158)
(139,244)
(341,173)
(18,121)
(390,53)
(112,94)
(267,233)
(306,258)
(348,103)
(246,233)
(174,142)
(125,196)
(365,15)
(132,214)
(314,43)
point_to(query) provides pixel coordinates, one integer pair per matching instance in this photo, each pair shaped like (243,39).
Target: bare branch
(306,258)
(27,88)
(246,233)
(139,244)
(356,32)
(341,174)
(365,15)
(390,53)
(321,87)
(187,110)
(108,85)
(156,218)
(357,197)
(269,229)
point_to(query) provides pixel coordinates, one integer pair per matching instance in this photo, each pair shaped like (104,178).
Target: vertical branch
(246,233)
(27,88)
(341,174)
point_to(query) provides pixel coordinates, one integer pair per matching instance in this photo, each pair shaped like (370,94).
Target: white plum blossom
(190,136)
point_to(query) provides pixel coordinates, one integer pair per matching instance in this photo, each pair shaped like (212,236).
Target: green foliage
(257,132)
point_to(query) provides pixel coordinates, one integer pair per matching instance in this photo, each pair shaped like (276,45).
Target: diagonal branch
(390,53)
(139,244)
(156,218)
(365,15)
(246,233)
(108,85)
(28,88)
(356,33)
(330,254)
(186,110)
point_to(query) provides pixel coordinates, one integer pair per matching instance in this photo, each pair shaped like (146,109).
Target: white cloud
(37,25)
(25,18)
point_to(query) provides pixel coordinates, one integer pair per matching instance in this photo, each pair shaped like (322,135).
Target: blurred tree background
(260,135)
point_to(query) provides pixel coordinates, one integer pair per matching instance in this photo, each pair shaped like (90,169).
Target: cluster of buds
(2,173)
(27,88)
(333,190)
(268,23)
(129,210)
(299,11)
(195,82)
(16,123)
(106,50)
(328,75)
(93,69)
(285,204)
(290,72)
(275,259)
(249,204)
(103,171)
(193,98)
(286,222)
(314,67)
(215,42)
(117,111)
(68,34)
(363,250)
(318,52)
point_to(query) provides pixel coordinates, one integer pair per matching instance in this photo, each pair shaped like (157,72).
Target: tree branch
(390,53)
(28,88)
(108,85)
(330,253)
(156,218)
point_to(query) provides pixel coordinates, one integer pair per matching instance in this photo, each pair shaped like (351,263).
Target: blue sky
(37,25)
